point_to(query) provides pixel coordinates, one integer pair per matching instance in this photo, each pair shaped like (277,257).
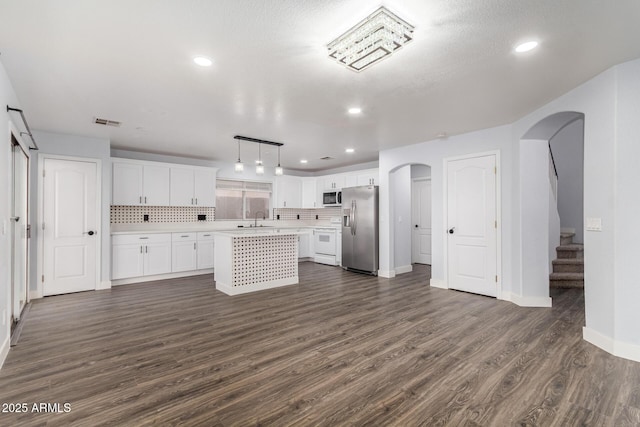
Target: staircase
(568,268)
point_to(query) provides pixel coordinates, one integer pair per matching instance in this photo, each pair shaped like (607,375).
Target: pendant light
(239,167)
(259,166)
(279,170)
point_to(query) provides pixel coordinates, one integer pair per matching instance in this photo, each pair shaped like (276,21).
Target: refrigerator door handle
(354,224)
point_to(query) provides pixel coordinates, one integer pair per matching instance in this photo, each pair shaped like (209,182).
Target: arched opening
(551,202)
(411,213)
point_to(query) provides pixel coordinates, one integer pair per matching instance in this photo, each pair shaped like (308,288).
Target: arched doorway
(551,202)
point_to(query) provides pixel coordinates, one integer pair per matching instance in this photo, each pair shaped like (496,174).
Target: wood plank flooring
(337,349)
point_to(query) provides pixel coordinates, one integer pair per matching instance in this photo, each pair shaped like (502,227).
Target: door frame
(445,210)
(40,269)
(413,181)
(15,133)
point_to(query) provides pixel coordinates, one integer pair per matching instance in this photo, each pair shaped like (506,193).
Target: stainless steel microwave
(332,198)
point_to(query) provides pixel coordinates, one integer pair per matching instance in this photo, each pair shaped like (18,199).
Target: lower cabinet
(184,251)
(305,245)
(136,255)
(205,251)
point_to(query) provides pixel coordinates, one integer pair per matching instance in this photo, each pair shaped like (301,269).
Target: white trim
(230,290)
(4,350)
(445,195)
(438,283)
(40,218)
(105,284)
(527,301)
(155,277)
(36,294)
(404,269)
(617,348)
(389,274)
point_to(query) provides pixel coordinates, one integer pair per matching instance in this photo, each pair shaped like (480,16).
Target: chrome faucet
(264,216)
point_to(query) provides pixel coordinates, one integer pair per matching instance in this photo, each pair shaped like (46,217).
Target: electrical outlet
(594,224)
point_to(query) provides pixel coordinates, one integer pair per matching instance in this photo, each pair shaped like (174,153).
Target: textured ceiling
(71,61)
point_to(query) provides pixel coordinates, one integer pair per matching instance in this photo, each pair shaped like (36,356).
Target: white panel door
(471,225)
(204,188)
(184,256)
(70,234)
(205,255)
(156,185)
(20,220)
(127,184)
(157,258)
(421,221)
(127,261)
(181,193)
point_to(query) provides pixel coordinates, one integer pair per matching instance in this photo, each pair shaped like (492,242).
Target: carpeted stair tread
(571,247)
(568,261)
(566,276)
(567,234)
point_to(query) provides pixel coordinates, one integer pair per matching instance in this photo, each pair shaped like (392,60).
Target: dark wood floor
(337,349)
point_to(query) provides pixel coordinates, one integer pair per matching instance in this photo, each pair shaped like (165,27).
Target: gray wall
(568,152)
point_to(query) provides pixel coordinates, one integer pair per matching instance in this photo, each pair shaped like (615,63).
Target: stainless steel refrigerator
(360,229)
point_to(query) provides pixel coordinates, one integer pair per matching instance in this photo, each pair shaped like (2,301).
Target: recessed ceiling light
(349,150)
(526,47)
(303,161)
(202,61)
(355,110)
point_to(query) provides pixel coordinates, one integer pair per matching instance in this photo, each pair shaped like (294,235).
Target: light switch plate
(594,224)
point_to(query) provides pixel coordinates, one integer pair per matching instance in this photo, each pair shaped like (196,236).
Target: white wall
(73,146)
(420,171)
(400,181)
(568,152)
(7,97)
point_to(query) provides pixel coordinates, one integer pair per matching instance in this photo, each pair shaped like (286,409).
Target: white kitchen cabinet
(184,252)
(135,255)
(205,251)
(333,182)
(309,193)
(351,180)
(288,192)
(305,242)
(193,186)
(368,177)
(139,184)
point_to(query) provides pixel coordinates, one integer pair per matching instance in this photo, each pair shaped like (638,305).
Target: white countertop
(290,227)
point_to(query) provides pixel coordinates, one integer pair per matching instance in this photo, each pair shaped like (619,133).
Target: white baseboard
(160,277)
(608,344)
(105,284)
(37,294)
(389,274)
(404,269)
(438,283)
(528,301)
(4,350)
(230,290)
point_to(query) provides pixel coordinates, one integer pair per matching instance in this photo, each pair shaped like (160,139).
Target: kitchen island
(251,260)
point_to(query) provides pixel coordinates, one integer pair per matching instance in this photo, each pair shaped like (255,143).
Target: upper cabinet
(309,193)
(367,177)
(193,186)
(333,182)
(140,184)
(288,192)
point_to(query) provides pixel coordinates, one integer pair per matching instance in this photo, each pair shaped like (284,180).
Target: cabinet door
(288,192)
(205,255)
(304,246)
(309,196)
(182,182)
(127,261)
(367,179)
(351,180)
(155,185)
(127,184)
(157,258)
(204,189)
(339,181)
(184,256)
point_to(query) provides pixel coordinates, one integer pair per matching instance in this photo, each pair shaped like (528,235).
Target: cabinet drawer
(205,235)
(181,237)
(125,239)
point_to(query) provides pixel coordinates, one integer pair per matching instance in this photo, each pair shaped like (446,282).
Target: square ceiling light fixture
(372,40)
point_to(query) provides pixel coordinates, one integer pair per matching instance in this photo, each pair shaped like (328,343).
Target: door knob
(451,230)
(416,225)
(91,233)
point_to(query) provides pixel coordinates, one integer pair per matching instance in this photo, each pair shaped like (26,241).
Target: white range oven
(325,245)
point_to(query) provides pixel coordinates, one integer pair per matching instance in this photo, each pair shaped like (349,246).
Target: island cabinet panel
(184,252)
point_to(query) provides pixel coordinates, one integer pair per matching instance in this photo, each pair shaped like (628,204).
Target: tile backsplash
(167,214)
(324,214)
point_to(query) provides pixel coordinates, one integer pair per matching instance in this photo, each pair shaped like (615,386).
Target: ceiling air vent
(105,122)
(326,158)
